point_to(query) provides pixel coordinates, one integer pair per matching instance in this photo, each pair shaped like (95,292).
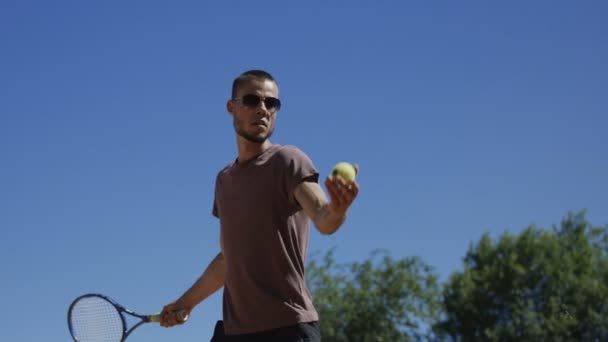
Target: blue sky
(465,117)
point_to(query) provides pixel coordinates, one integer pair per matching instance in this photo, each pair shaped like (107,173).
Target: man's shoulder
(290,157)
(289,152)
(225,169)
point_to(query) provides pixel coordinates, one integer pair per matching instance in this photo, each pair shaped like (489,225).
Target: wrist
(186,301)
(329,221)
(337,215)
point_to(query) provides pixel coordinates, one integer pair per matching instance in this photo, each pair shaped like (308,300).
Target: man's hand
(328,216)
(168,317)
(342,193)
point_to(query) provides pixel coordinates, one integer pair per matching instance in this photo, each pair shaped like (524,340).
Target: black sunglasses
(251,100)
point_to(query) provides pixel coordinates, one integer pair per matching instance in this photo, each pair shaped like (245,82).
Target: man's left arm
(327,215)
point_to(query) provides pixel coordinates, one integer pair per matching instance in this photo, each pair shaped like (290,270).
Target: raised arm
(327,216)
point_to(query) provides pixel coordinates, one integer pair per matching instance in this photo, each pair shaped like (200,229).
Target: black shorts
(301,332)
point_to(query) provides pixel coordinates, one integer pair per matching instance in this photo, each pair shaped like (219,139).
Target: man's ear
(230,107)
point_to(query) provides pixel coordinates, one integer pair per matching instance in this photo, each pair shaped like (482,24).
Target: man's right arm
(207,284)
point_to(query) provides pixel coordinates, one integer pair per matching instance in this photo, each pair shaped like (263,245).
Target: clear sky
(465,117)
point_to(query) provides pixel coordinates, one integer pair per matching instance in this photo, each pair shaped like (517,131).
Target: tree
(380,299)
(539,285)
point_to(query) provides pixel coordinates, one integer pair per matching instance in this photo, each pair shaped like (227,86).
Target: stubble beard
(254,138)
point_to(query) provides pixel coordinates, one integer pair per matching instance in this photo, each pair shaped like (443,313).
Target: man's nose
(262,110)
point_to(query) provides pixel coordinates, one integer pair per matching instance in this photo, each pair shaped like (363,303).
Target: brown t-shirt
(265,236)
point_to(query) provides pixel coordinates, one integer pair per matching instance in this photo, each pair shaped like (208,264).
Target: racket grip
(180,315)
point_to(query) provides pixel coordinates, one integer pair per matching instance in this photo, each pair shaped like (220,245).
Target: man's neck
(248,149)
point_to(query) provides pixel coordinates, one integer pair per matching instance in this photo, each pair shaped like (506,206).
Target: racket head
(95,317)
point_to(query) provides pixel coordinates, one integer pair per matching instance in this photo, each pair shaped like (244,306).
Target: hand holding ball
(344,170)
(342,188)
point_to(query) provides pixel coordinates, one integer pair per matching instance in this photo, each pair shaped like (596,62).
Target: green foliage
(380,299)
(539,285)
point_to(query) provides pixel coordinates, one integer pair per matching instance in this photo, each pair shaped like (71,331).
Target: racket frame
(121,311)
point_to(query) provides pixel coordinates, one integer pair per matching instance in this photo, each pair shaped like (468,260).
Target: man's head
(254,104)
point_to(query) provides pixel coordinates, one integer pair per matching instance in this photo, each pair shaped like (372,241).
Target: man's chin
(258,139)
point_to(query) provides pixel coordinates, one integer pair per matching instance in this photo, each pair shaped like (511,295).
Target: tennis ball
(344,170)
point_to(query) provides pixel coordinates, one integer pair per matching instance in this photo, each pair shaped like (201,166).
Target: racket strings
(96,320)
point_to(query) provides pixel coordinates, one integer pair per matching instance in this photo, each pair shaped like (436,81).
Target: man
(265,200)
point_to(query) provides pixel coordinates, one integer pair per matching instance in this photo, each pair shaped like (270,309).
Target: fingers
(341,192)
(168,316)
(165,317)
(169,319)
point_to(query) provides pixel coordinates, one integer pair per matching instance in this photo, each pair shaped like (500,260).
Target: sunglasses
(250,100)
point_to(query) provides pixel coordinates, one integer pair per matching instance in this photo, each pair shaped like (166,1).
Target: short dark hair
(248,76)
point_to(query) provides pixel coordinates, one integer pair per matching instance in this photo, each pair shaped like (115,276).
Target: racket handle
(180,315)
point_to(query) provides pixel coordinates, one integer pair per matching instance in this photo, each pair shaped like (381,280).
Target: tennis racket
(97,318)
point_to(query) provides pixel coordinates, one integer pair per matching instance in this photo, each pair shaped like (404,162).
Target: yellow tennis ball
(344,170)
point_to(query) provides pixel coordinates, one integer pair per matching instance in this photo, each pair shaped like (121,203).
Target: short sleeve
(299,168)
(214,211)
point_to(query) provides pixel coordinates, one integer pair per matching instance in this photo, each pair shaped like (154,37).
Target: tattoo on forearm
(327,217)
(325,212)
